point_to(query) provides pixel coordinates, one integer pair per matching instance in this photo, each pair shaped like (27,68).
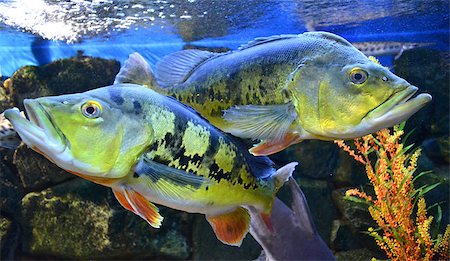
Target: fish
(151,149)
(387,48)
(283,89)
(293,235)
(8,136)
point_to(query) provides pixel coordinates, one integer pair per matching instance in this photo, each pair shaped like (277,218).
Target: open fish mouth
(38,132)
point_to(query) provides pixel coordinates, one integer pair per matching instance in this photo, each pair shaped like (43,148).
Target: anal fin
(136,203)
(231,228)
(268,147)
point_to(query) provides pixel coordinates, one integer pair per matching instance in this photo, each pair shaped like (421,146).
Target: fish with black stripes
(151,149)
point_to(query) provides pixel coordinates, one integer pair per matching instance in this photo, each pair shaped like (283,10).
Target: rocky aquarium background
(48,213)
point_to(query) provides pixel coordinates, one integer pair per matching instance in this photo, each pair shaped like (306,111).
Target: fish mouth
(397,108)
(39,132)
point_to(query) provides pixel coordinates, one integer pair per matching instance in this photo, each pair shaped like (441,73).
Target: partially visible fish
(8,136)
(387,48)
(293,235)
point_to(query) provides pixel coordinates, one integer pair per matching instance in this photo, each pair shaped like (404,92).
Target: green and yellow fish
(284,89)
(151,148)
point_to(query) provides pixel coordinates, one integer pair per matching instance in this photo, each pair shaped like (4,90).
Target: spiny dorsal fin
(135,70)
(329,36)
(175,68)
(263,40)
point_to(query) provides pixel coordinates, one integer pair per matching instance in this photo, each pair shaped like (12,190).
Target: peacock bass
(284,89)
(151,148)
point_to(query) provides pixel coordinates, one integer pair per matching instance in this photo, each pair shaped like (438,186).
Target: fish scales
(255,75)
(173,151)
(287,88)
(150,148)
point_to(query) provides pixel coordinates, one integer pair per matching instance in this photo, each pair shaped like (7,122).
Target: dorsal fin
(263,40)
(135,70)
(329,36)
(175,68)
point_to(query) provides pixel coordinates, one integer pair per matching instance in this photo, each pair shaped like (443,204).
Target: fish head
(85,133)
(342,99)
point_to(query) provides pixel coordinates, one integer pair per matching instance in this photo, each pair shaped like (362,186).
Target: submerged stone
(353,213)
(318,159)
(11,190)
(77,74)
(424,68)
(318,195)
(9,238)
(356,255)
(35,171)
(82,220)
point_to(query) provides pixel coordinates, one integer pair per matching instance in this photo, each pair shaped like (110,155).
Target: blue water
(404,21)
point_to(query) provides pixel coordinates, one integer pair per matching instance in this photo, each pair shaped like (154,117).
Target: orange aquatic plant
(397,207)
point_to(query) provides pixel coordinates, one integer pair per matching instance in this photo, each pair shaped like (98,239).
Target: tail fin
(282,175)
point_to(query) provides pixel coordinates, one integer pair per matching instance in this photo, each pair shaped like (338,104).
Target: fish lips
(39,132)
(399,107)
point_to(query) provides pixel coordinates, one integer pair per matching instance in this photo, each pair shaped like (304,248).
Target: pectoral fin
(231,228)
(268,147)
(136,203)
(168,181)
(260,121)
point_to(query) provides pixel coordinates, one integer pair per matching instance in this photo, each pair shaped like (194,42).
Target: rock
(353,213)
(82,220)
(318,195)
(342,237)
(423,68)
(63,76)
(207,247)
(35,171)
(438,150)
(317,159)
(9,238)
(6,100)
(11,189)
(349,172)
(357,255)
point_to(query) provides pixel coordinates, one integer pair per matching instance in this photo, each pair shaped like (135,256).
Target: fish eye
(358,76)
(91,109)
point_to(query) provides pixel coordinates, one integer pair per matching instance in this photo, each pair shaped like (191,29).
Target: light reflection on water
(53,29)
(71,20)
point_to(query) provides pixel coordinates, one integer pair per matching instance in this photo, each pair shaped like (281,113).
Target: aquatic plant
(397,207)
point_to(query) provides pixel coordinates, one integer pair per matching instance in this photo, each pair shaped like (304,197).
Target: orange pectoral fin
(136,203)
(268,147)
(231,228)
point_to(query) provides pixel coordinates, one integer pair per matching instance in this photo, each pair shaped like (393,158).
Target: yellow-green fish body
(151,148)
(284,89)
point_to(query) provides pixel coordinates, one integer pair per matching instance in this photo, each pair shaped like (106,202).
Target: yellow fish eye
(91,109)
(358,76)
